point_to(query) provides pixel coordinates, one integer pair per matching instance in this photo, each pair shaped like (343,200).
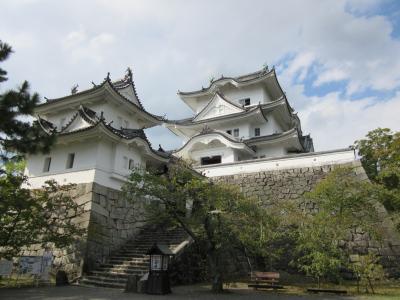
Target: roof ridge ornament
(74,89)
(128,73)
(206,129)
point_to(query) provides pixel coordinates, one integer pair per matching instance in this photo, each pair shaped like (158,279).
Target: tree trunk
(212,257)
(217,281)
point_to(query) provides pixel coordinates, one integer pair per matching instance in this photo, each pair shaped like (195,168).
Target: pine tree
(18,134)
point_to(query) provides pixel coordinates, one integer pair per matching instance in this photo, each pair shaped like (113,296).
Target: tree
(367,270)
(221,218)
(34,217)
(343,204)
(380,156)
(17,133)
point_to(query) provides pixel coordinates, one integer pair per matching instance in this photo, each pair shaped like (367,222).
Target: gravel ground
(182,292)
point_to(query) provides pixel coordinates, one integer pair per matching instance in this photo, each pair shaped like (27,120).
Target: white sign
(5,267)
(30,264)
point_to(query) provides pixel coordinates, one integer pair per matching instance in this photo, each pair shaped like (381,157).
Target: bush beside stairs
(131,259)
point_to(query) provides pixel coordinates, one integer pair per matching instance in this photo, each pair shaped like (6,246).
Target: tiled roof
(116,86)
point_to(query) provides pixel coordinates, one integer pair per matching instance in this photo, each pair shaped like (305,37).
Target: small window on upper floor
(131,164)
(47,163)
(229,131)
(70,160)
(245,102)
(256,131)
(236,132)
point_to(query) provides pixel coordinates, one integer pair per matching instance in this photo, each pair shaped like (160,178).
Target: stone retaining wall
(109,222)
(291,184)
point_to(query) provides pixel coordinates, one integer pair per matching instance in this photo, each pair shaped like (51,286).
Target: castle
(241,124)
(243,132)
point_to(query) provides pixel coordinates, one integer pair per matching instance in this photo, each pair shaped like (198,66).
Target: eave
(103,92)
(102,130)
(214,135)
(292,134)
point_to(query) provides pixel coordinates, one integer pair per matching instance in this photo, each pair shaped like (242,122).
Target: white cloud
(331,75)
(336,122)
(80,46)
(175,45)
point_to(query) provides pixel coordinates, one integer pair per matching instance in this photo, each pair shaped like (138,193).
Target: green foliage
(344,203)
(17,133)
(380,153)
(221,219)
(368,271)
(31,217)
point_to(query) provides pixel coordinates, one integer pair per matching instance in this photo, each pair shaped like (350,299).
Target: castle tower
(239,118)
(100,136)
(246,124)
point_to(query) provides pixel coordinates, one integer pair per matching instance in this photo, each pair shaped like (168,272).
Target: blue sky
(337,60)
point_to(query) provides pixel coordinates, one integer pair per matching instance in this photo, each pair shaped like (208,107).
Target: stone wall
(113,221)
(292,184)
(109,221)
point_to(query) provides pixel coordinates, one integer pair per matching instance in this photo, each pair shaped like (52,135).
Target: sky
(338,61)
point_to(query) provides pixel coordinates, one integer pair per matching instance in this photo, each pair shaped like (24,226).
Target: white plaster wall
(254,92)
(271,150)
(100,161)
(244,129)
(76,177)
(85,158)
(116,113)
(227,154)
(131,152)
(295,161)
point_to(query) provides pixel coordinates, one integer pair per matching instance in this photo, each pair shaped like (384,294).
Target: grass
(21,281)
(297,285)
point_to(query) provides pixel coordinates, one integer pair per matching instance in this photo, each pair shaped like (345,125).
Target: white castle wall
(101,162)
(288,162)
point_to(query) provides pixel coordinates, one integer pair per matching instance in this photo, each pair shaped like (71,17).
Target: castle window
(70,160)
(131,164)
(229,131)
(47,163)
(236,132)
(211,160)
(256,131)
(245,102)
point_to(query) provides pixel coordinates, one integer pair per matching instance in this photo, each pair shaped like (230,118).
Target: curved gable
(218,106)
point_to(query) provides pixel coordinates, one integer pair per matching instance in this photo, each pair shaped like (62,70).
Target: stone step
(124,268)
(126,257)
(109,279)
(128,264)
(117,274)
(131,259)
(94,282)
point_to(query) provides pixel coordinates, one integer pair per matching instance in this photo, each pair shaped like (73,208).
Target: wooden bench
(266,280)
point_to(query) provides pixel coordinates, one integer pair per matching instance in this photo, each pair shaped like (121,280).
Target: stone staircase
(131,259)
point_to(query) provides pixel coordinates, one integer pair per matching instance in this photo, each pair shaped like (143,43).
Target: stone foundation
(109,221)
(292,184)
